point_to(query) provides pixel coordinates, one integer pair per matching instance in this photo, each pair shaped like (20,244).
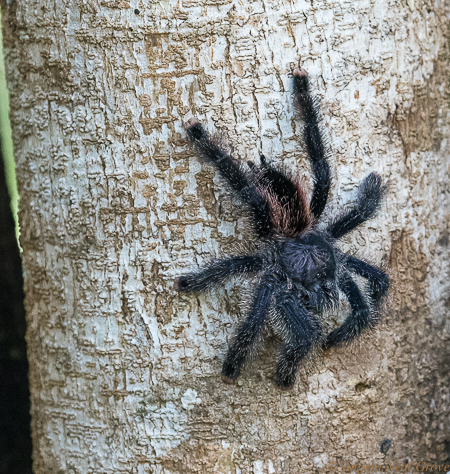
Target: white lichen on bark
(125,373)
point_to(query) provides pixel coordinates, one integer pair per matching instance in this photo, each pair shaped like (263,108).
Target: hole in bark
(385,445)
(361,386)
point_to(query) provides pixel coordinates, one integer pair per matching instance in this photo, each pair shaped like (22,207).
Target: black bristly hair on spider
(300,269)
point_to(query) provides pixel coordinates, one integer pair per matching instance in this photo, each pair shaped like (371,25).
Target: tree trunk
(125,372)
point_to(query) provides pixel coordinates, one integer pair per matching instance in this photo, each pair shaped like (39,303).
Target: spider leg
(304,330)
(378,280)
(217,272)
(309,110)
(369,199)
(359,319)
(239,178)
(248,330)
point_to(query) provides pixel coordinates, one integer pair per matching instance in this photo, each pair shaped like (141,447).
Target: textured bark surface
(125,373)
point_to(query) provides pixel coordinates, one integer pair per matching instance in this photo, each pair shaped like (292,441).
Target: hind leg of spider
(217,272)
(248,331)
(360,318)
(369,199)
(238,177)
(378,280)
(317,153)
(303,329)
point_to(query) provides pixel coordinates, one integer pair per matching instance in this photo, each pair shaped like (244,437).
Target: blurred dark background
(15,436)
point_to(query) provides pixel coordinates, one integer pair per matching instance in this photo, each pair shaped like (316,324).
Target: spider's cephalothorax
(300,270)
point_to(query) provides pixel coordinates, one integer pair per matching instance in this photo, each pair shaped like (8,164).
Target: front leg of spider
(308,109)
(300,269)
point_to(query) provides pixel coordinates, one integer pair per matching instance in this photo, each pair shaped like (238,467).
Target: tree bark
(125,372)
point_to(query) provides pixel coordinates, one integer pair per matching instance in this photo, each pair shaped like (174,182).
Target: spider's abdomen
(288,207)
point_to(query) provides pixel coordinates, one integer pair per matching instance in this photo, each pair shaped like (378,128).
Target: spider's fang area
(227,380)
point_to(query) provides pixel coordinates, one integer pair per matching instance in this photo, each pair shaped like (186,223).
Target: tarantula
(300,269)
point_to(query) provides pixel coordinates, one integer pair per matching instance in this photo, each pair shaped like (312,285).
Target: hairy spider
(300,269)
